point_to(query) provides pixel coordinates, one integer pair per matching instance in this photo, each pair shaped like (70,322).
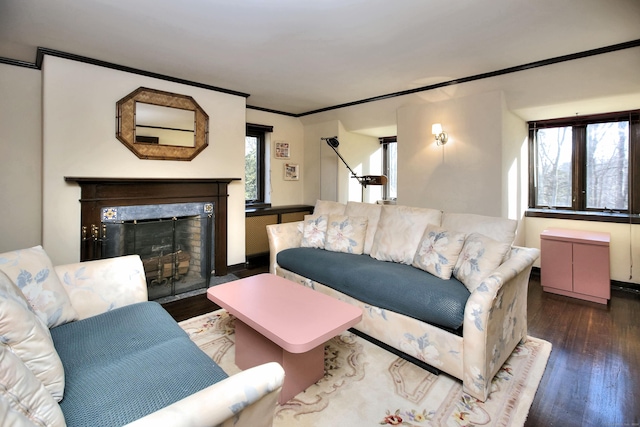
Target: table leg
(301,369)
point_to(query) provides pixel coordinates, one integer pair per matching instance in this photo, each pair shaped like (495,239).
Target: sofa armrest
(496,320)
(283,236)
(248,398)
(95,287)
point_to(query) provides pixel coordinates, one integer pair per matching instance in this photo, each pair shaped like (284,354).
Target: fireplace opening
(174,242)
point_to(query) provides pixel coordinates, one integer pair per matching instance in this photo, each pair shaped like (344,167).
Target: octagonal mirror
(160,125)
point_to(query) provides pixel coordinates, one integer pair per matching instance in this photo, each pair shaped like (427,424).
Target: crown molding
(41,52)
(515,69)
(18,63)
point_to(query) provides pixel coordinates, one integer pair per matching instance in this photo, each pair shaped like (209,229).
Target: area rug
(365,385)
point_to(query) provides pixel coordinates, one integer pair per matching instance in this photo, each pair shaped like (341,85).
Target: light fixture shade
(436,129)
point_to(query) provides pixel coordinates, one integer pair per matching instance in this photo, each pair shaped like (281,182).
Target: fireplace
(177,226)
(173,240)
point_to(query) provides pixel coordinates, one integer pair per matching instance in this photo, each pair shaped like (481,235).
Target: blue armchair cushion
(127,363)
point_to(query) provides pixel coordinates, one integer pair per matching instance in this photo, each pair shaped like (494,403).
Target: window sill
(256,205)
(623,218)
(278,210)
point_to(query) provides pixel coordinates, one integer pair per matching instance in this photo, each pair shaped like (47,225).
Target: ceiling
(298,56)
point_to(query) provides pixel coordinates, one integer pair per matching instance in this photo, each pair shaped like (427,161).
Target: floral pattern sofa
(61,365)
(469,254)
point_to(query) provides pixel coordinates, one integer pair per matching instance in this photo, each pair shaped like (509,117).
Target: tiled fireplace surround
(98,195)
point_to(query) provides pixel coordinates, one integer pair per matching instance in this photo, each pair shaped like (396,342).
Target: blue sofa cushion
(397,287)
(127,363)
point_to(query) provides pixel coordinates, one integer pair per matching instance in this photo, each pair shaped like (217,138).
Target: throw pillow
(438,251)
(399,231)
(346,234)
(29,338)
(480,255)
(32,271)
(372,212)
(23,399)
(314,231)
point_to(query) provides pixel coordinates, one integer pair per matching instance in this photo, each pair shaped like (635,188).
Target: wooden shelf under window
(257,219)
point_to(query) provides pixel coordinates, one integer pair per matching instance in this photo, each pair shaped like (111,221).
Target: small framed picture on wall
(282,150)
(291,172)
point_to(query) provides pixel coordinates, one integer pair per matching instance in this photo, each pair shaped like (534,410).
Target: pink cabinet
(576,263)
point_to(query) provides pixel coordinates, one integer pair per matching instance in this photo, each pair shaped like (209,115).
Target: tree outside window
(251,168)
(254,163)
(554,148)
(608,166)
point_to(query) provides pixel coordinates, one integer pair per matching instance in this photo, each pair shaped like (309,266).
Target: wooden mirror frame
(126,125)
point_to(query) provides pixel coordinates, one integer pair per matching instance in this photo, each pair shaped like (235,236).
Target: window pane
(608,165)
(251,168)
(392,161)
(553,152)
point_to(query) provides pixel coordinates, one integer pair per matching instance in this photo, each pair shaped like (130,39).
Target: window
(607,155)
(588,163)
(254,163)
(390,167)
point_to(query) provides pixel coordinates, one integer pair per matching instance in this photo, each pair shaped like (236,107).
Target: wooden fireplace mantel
(97,193)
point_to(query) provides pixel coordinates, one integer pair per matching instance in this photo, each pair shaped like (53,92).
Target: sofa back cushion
(32,270)
(23,399)
(400,230)
(29,338)
(372,212)
(329,207)
(499,229)
(103,284)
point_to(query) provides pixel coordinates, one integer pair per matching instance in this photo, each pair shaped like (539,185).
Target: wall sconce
(440,135)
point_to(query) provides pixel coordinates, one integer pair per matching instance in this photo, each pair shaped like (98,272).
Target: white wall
(21,156)
(320,169)
(326,175)
(515,170)
(363,154)
(465,175)
(285,129)
(79,140)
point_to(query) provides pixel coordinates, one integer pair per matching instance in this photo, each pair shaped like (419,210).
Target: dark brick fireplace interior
(172,239)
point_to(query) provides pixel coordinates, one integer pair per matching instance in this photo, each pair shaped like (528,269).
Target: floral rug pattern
(365,385)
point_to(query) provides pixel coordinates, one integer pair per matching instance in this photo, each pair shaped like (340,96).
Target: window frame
(260,133)
(385,141)
(578,209)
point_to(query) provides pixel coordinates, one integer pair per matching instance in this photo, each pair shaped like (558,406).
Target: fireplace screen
(174,242)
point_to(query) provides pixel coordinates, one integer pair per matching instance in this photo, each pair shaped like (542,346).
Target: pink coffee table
(280,321)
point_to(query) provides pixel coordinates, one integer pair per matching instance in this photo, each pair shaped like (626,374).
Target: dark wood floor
(593,374)
(186,308)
